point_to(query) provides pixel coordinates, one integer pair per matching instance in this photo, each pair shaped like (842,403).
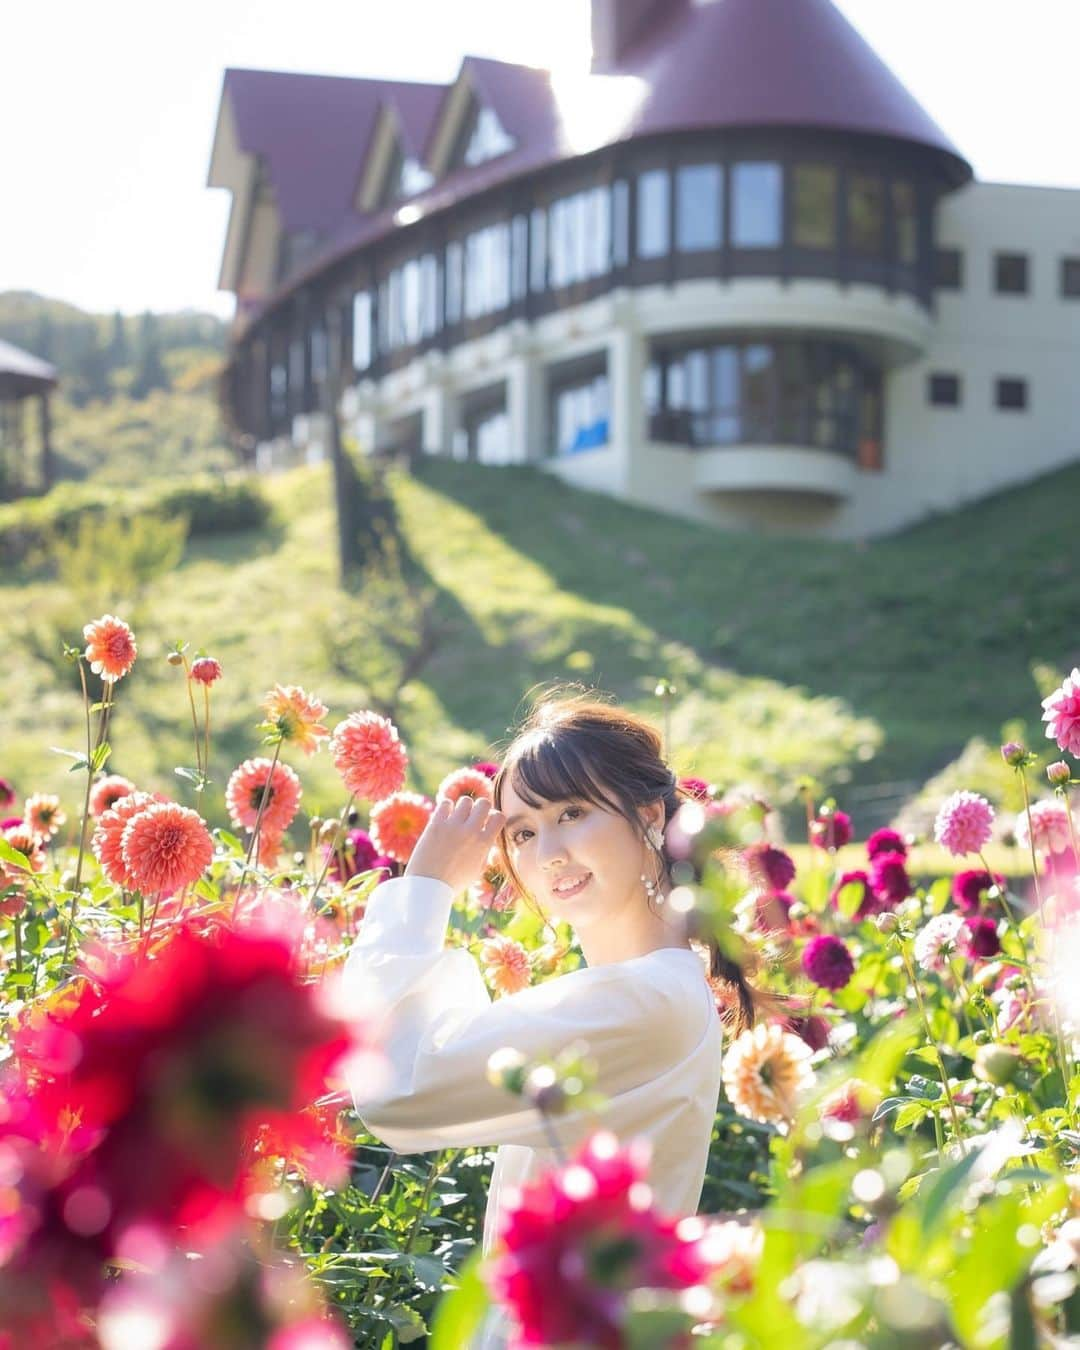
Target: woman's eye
(518,839)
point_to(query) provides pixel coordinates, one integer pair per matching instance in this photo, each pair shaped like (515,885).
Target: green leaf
(192,775)
(230,841)
(407,1322)
(68,754)
(11,854)
(79,764)
(849,898)
(911,1113)
(459,1313)
(204,889)
(100,756)
(19,980)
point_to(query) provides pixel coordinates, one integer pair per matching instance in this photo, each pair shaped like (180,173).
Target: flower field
(894,1159)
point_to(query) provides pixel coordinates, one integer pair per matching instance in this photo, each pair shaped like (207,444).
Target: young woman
(580,806)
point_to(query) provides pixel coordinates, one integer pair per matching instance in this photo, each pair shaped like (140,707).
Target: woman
(578,816)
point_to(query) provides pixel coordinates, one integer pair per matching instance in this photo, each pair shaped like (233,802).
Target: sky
(110,110)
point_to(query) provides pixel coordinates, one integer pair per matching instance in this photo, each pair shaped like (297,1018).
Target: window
(519,257)
(1070,278)
(454,259)
(579,236)
(429,295)
(488,139)
(297,357)
(906,218)
(361,330)
(279,392)
(866,215)
(538,257)
(487,434)
(944,390)
(948,269)
(1010,273)
(653,196)
(487,270)
(758,199)
(699,208)
(413,178)
(620,223)
(319,353)
(580,413)
(814,205)
(1012,393)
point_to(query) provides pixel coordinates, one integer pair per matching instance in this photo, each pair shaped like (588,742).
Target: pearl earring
(656,839)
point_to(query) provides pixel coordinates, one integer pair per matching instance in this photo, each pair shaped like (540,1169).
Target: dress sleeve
(439,1025)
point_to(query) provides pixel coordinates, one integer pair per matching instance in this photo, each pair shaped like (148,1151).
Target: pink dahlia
(1062,714)
(866,901)
(107,792)
(886,841)
(110,648)
(487,767)
(696,788)
(165,848)
(1049,826)
(465,783)
(107,841)
(506,964)
(205,670)
(244,792)
(889,880)
(964,822)
(578,1240)
(398,821)
(22,838)
(7,793)
(827,961)
(982,939)
(294,716)
(831,829)
(770,868)
(969,888)
(44,815)
(938,940)
(369,755)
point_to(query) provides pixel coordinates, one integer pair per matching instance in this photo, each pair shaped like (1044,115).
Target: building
(735,273)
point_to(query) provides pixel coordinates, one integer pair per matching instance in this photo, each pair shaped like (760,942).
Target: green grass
(859,664)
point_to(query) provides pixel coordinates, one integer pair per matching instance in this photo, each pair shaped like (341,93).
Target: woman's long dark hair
(575,746)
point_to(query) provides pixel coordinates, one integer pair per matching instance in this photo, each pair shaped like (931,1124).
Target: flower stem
(1031,845)
(253,841)
(194,719)
(206,732)
(74,904)
(930,1036)
(330,852)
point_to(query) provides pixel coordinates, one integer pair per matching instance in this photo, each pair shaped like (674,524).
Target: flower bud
(887,923)
(328,833)
(1058,773)
(175,658)
(543,1089)
(996,1063)
(506,1069)
(1012,752)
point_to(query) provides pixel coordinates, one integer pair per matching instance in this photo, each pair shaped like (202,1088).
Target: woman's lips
(573,890)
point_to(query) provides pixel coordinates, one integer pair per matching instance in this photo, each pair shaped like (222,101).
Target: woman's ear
(651,815)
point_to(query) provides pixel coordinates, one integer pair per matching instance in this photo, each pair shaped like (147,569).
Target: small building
(26,459)
(735,273)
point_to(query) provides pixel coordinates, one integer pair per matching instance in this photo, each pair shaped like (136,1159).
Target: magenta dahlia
(827,961)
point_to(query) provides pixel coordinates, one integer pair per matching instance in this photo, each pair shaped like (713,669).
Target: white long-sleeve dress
(650,1023)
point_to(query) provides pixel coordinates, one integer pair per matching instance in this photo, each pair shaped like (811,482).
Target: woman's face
(576,859)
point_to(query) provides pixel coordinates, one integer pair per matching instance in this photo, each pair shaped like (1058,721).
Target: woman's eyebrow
(562,801)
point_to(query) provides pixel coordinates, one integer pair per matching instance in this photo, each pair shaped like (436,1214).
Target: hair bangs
(551,769)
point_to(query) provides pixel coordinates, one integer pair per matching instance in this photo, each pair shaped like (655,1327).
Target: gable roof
(22,374)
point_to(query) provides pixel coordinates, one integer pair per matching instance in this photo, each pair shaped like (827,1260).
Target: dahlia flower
(110,648)
(7,793)
(398,821)
(868,902)
(831,829)
(981,939)
(107,792)
(938,940)
(889,879)
(766,1071)
(26,842)
(851,1102)
(107,841)
(827,961)
(465,783)
(770,868)
(696,788)
(576,1242)
(1062,714)
(205,670)
(969,888)
(244,792)
(44,815)
(165,848)
(886,841)
(1049,825)
(369,755)
(486,767)
(506,964)
(295,717)
(357,854)
(964,822)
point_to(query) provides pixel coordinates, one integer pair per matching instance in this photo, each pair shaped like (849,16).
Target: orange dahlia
(369,755)
(110,647)
(766,1072)
(43,815)
(21,837)
(245,789)
(292,715)
(109,834)
(506,964)
(398,821)
(465,783)
(107,792)
(166,847)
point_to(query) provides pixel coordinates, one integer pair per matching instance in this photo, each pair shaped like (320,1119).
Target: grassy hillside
(860,665)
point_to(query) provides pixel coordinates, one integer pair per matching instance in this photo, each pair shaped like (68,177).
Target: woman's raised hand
(456,841)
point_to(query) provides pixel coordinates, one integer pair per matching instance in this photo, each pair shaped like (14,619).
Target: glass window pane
(538,255)
(599,231)
(698,206)
(620,223)
(519,245)
(866,215)
(651,387)
(814,206)
(653,189)
(757,219)
(453,282)
(907,222)
(757,388)
(697,381)
(492,437)
(361,330)
(726,377)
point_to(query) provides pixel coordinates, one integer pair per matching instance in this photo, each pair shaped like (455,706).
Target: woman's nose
(550,852)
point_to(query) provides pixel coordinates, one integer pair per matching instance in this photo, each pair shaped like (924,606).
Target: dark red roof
(22,374)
